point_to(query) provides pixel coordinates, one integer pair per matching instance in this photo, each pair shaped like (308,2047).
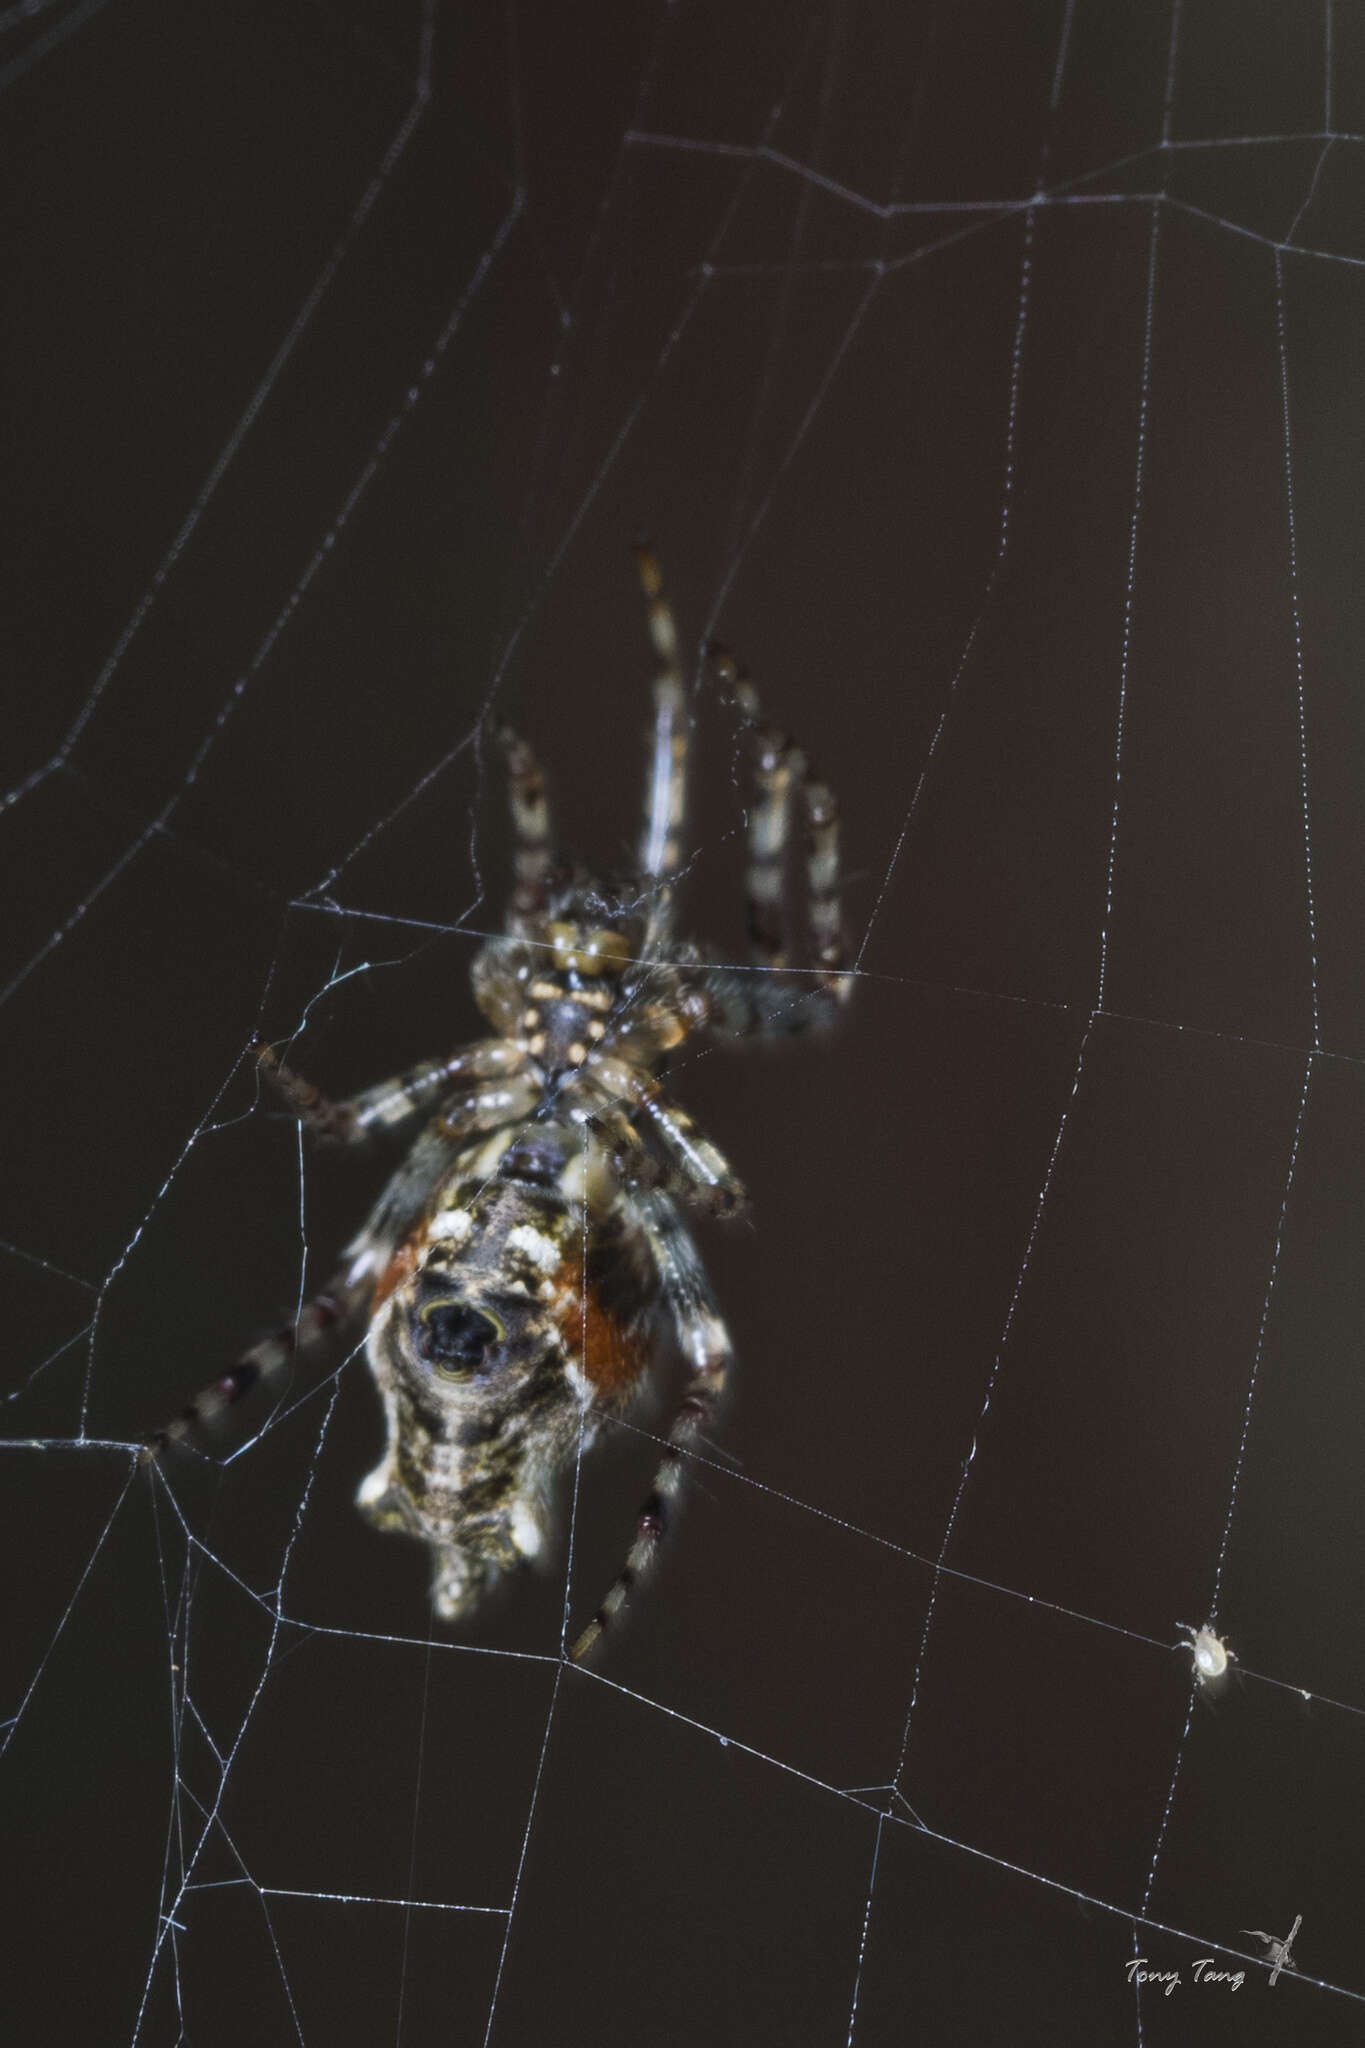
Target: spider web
(989,377)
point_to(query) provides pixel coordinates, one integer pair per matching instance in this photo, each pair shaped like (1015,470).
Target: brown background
(334,407)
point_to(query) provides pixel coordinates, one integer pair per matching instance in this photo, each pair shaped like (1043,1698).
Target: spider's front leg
(705,1344)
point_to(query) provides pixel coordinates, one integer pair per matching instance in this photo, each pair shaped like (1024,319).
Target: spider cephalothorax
(530,1258)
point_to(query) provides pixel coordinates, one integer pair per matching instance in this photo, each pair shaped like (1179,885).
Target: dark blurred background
(990,376)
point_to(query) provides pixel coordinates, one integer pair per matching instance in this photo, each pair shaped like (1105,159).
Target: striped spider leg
(530,1258)
(783,998)
(500,1092)
(705,1344)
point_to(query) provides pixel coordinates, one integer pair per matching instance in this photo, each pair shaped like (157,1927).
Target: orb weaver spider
(519,1271)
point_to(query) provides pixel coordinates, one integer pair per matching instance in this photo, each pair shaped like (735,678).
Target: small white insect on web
(1211,1656)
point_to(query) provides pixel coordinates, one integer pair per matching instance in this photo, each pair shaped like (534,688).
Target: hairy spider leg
(705,1344)
(335,1306)
(348,1291)
(666,797)
(824,907)
(532,833)
(775,763)
(696,1169)
(392,1104)
(781,771)
(632,1165)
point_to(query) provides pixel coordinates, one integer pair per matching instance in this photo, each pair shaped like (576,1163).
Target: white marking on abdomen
(450,1226)
(539,1249)
(526,1531)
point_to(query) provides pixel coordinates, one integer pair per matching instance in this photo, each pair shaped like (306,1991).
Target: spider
(520,1272)
(1209,1654)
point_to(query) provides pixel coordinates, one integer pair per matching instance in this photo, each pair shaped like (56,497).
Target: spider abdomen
(517,1316)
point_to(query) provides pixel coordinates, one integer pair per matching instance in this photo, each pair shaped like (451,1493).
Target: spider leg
(776,766)
(513,1095)
(781,772)
(698,1170)
(701,1172)
(631,1163)
(705,1344)
(337,1304)
(532,835)
(392,1103)
(461,1118)
(666,800)
(824,902)
(505,1100)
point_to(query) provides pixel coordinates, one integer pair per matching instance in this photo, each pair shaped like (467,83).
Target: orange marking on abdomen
(401,1267)
(608,1354)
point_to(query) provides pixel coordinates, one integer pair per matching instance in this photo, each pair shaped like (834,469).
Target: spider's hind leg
(328,1311)
(705,1343)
